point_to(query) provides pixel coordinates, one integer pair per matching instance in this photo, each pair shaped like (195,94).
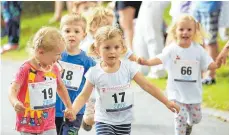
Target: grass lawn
(216,96)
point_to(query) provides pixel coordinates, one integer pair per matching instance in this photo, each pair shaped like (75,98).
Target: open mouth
(185,37)
(112,57)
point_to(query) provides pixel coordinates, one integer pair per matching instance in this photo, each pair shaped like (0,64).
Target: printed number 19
(115,97)
(49,92)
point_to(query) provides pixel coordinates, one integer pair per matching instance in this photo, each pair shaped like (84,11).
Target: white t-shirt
(184,66)
(111,88)
(89,40)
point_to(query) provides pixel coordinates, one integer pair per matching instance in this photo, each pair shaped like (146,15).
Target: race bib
(72,75)
(117,99)
(185,71)
(42,94)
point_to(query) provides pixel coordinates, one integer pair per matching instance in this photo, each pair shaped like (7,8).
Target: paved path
(151,117)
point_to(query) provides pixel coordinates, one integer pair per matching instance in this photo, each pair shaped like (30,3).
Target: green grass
(216,96)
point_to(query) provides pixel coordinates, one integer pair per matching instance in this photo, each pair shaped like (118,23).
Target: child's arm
(133,57)
(154,91)
(222,57)
(63,93)
(13,92)
(149,62)
(213,66)
(83,97)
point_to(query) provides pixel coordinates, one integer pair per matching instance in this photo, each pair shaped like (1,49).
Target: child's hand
(173,106)
(142,61)
(221,59)
(19,107)
(69,114)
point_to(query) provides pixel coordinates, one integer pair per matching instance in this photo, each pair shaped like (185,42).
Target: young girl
(33,91)
(112,79)
(97,18)
(185,59)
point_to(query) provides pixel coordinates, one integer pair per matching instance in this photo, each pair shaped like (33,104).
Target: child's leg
(181,120)
(194,115)
(72,127)
(59,122)
(49,132)
(88,118)
(107,129)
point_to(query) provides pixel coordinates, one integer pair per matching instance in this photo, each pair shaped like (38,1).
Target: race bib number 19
(42,94)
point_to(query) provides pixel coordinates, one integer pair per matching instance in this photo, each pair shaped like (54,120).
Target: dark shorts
(108,129)
(68,126)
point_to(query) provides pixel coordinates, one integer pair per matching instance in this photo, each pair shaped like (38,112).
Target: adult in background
(126,12)
(207,13)
(149,37)
(11,12)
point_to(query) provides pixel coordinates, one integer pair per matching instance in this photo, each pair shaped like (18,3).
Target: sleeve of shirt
(133,69)
(165,55)
(206,60)
(128,53)
(90,77)
(21,75)
(57,72)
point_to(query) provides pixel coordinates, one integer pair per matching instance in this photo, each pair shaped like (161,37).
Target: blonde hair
(76,5)
(72,19)
(46,38)
(199,35)
(106,33)
(97,15)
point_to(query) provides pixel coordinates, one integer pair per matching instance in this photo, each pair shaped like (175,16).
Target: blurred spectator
(11,12)
(126,12)
(58,10)
(224,21)
(207,13)
(149,37)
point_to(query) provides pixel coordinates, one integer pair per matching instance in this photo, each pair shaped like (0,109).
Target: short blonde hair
(199,35)
(72,19)
(106,33)
(97,15)
(46,38)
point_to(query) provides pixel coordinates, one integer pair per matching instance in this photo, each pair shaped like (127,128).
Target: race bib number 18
(72,75)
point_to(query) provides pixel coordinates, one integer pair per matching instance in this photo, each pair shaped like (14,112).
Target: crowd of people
(91,60)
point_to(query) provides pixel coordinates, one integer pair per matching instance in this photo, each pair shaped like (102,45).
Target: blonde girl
(111,79)
(97,18)
(33,90)
(184,59)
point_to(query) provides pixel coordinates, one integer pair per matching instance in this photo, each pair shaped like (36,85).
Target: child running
(33,91)
(97,18)
(184,60)
(75,64)
(111,78)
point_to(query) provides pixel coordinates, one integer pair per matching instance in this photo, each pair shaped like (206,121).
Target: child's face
(73,34)
(51,57)
(110,50)
(185,31)
(85,6)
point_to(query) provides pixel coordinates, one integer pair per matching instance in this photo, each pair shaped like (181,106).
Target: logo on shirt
(177,57)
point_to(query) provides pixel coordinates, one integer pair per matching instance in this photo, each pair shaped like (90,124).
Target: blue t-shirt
(80,59)
(207,6)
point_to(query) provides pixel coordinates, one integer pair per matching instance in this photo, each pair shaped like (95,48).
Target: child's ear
(40,51)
